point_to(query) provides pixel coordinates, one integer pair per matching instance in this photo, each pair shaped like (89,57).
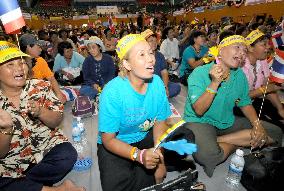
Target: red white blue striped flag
(278,36)
(277,72)
(11,16)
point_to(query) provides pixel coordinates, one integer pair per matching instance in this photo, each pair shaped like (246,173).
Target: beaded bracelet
(141,155)
(211,91)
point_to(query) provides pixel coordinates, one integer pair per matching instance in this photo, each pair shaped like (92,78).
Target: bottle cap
(240,152)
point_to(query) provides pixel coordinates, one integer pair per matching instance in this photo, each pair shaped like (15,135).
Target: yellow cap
(9,51)
(126,43)
(231,40)
(253,36)
(147,33)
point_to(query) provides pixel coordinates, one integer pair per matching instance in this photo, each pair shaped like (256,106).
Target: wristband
(211,91)
(132,153)
(262,90)
(141,155)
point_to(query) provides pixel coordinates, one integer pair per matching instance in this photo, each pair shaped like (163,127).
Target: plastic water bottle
(81,127)
(76,132)
(235,169)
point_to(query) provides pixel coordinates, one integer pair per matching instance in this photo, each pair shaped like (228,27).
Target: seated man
(68,65)
(160,68)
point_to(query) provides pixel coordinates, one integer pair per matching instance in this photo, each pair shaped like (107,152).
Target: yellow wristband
(132,152)
(261,89)
(211,91)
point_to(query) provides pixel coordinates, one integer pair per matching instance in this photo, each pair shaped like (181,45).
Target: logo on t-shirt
(148,124)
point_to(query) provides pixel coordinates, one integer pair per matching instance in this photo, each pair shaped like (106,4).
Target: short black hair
(194,35)
(41,34)
(166,32)
(225,34)
(52,33)
(62,46)
(240,30)
(61,31)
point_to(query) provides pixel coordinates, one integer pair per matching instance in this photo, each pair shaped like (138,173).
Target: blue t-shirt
(160,65)
(60,62)
(190,53)
(129,114)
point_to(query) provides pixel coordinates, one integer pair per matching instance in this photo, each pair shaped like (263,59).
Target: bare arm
(202,104)
(165,78)
(205,100)
(160,128)
(6,124)
(274,99)
(195,63)
(56,89)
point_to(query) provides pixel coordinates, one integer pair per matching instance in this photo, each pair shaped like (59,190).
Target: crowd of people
(136,70)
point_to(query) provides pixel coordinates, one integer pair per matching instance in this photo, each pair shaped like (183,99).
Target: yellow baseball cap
(9,51)
(253,36)
(126,43)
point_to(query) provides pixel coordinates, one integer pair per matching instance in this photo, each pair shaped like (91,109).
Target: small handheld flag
(277,68)
(180,146)
(168,133)
(11,16)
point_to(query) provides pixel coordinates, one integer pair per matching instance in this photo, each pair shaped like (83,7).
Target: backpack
(83,107)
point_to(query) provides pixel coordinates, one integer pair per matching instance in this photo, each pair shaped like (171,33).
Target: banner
(27,16)
(80,17)
(253,2)
(217,7)
(107,10)
(180,12)
(55,18)
(198,10)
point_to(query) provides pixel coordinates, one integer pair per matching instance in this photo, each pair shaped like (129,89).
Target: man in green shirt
(213,91)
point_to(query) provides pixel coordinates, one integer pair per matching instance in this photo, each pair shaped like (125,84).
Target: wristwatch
(135,154)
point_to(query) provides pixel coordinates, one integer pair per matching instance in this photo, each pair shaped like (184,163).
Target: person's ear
(250,48)
(126,65)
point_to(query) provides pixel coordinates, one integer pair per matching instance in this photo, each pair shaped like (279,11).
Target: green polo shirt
(234,91)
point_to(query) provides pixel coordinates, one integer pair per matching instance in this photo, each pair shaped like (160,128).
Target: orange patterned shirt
(31,139)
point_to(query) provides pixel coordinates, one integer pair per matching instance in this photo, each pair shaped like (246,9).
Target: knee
(68,157)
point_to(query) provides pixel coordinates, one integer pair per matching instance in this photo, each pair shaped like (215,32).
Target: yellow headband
(147,33)
(214,51)
(126,43)
(253,36)
(9,51)
(231,40)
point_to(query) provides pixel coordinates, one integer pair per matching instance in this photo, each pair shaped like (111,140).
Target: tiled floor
(90,179)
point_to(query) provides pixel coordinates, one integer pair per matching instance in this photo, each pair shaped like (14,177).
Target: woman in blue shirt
(67,65)
(192,55)
(98,68)
(133,110)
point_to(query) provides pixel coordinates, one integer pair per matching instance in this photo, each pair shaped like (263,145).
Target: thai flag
(110,24)
(277,71)
(11,16)
(278,36)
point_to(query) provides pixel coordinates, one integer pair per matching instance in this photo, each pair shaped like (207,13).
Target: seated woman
(109,42)
(40,69)
(98,68)
(133,110)
(34,153)
(68,65)
(160,68)
(213,91)
(192,55)
(257,72)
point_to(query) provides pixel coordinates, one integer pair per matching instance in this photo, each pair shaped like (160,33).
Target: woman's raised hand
(216,73)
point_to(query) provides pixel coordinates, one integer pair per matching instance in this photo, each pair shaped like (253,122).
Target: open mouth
(150,68)
(19,77)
